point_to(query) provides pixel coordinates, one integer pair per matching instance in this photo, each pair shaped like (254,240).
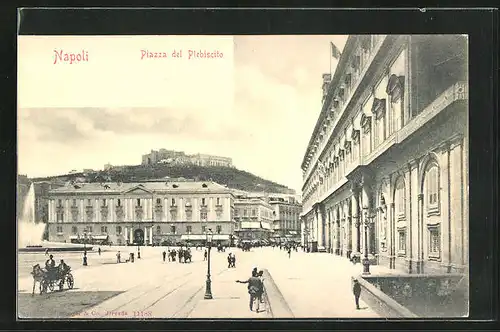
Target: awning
(193,237)
(216,237)
(73,237)
(98,237)
(292,232)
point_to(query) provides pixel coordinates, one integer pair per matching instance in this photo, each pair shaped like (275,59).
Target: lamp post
(84,248)
(367,223)
(208,289)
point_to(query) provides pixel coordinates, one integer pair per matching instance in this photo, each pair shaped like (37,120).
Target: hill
(231,177)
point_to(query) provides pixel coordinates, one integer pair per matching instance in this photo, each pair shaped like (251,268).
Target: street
(312,285)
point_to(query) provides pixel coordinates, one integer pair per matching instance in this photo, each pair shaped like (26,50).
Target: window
(89,202)
(119,202)
(158,230)
(118,230)
(172,203)
(138,202)
(158,201)
(203,229)
(218,229)
(400,198)
(432,189)
(172,229)
(236,211)
(89,228)
(74,202)
(203,201)
(203,215)
(254,213)
(104,229)
(218,201)
(401,241)
(434,242)
(245,212)
(189,229)
(104,202)
(60,216)
(59,203)
(59,229)
(74,230)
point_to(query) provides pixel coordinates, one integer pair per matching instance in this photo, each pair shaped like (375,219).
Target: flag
(335,51)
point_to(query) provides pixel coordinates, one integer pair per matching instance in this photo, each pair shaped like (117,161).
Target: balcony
(158,208)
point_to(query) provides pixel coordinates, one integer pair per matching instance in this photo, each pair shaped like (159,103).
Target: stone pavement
(317,285)
(313,285)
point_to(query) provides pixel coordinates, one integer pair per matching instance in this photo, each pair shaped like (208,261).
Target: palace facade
(141,213)
(385,170)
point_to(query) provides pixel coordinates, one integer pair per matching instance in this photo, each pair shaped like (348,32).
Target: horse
(38,276)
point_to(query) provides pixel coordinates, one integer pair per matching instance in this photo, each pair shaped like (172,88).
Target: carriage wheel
(70,281)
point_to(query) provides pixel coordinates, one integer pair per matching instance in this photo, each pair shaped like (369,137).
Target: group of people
(184,255)
(231,260)
(255,288)
(54,271)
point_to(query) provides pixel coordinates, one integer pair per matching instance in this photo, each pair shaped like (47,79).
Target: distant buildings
(254,216)
(179,157)
(141,213)
(286,223)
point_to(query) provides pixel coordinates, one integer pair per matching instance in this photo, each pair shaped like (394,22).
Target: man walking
(254,287)
(205,256)
(233,260)
(164,255)
(289,252)
(118,257)
(356,289)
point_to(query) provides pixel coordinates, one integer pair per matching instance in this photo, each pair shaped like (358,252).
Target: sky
(257,105)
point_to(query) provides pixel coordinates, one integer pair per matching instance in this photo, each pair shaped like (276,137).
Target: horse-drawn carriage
(49,279)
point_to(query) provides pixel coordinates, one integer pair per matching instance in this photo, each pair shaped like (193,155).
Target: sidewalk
(317,285)
(230,299)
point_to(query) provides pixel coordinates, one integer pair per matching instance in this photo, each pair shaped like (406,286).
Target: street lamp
(367,223)
(208,289)
(84,248)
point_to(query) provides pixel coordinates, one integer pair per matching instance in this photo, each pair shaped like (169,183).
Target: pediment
(138,190)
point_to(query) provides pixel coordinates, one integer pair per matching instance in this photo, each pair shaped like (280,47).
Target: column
(151,235)
(392,222)
(131,238)
(456,227)
(338,230)
(145,235)
(420,232)
(126,234)
(414,216)
(357,217)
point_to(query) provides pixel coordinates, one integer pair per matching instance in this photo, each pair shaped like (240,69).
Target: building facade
(385,171)
(254,216)
(141,213)
(179,157)
(286,224)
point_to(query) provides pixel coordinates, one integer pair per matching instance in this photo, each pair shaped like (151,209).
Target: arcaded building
(386,165)
(141,213)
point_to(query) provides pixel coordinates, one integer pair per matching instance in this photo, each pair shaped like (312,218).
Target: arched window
(400,199)
(432,188)
(158,230)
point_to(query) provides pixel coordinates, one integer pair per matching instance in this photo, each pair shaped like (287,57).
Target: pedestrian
(254,287)
(233,260)
(356,290)
(47,252)
(261,277)
(99,251)
(289,252)
(118,257)
(84,258)
(205,255)
(229,260)
(169,255)
(164,255)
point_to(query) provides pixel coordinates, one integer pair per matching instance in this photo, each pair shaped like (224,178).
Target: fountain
(30,232)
